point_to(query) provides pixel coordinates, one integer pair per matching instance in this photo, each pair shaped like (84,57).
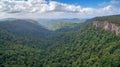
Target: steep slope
(111,23)
(91,46)
(111,19)
(5,36)
(88,47)
(14,54)
(24,28)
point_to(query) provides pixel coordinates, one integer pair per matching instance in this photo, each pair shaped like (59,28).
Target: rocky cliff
(108,26)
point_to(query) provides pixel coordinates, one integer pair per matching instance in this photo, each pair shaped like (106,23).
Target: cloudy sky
(58,8)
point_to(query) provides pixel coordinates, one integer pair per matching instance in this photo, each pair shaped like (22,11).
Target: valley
(61,43)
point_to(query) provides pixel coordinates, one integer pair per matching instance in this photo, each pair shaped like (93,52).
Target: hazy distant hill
(55,24)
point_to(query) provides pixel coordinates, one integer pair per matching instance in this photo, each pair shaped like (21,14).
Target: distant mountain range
(55,24)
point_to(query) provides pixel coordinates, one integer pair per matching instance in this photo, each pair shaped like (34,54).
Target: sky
(54,9)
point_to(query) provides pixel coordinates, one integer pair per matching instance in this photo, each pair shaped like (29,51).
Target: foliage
(86,47)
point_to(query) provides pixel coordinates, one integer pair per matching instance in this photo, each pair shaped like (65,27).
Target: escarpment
(108,26)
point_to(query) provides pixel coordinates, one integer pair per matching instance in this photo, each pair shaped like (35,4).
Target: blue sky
(58,8)
(86,3)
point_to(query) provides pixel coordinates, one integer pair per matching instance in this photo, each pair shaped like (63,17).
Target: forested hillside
(24,28)
(112,19)
(15,54)
(25,44)
(88,47)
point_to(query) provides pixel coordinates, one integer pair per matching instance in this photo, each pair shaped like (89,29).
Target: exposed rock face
(108,26)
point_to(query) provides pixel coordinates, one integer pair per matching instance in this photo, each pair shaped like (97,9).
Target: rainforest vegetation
(26,44)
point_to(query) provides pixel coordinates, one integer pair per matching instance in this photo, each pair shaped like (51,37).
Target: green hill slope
(88,46)
(23,28)
(16,54)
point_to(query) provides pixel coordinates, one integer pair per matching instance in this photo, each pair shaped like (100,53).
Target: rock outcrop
(108,26)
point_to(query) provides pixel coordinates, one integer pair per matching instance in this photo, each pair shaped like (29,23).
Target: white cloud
(108,8)
(112,2)
(52,9)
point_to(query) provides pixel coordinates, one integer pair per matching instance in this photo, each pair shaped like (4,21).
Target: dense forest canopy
(26,44)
